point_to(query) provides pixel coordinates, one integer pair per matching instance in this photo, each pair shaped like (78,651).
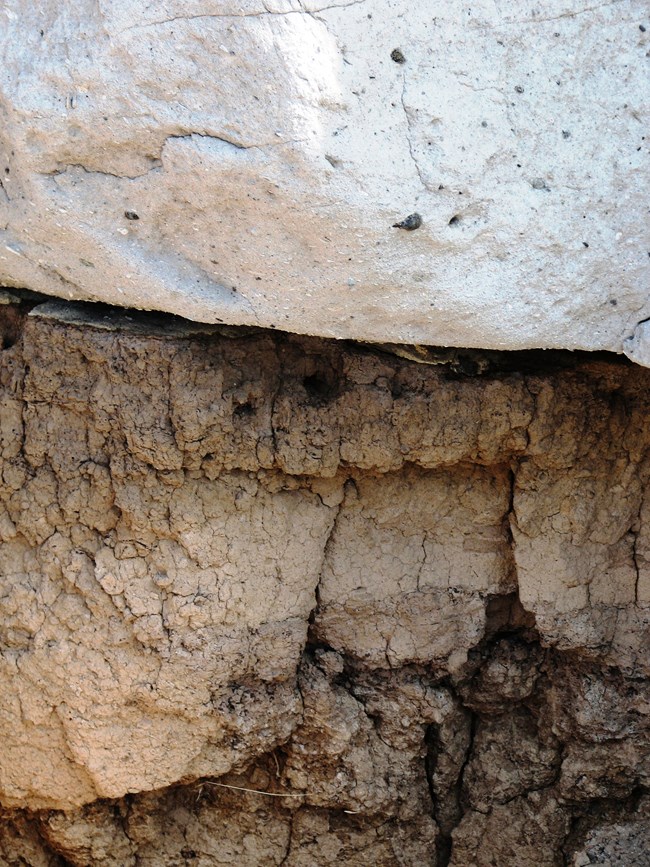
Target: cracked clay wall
(268,599)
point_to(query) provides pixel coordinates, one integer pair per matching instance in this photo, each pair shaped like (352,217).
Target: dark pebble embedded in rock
(413,221)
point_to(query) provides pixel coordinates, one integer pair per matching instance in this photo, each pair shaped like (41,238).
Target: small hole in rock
(454,220)
(12,319)
(319,387)
(244,409)
(397,56)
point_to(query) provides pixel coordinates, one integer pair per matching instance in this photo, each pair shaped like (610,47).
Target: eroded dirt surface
(402,608)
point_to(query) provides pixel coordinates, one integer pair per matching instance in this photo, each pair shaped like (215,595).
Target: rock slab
(251,163)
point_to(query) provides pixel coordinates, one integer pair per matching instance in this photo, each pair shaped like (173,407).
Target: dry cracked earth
(270,600)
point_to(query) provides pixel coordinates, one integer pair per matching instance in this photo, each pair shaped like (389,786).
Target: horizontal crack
(571,14)
(156,163)
(65,167)
(266,13)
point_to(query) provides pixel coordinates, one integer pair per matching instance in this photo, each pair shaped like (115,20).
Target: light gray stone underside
(268,149)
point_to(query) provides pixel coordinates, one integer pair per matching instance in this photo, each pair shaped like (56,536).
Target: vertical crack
(510,521)
(277,391)
(423,563)
(328,542)
(448,810)
(443,840)
(510,514)
(409,135)
(635,530)
(289,842)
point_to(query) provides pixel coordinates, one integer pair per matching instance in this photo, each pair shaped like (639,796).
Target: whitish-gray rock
(251,163)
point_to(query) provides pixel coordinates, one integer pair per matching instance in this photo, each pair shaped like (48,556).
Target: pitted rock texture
(268,599)
(247,162)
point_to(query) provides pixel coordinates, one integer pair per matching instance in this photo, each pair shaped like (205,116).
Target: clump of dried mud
(274,600)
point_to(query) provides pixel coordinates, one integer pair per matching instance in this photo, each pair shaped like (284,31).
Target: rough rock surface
(247,162)
(273,600)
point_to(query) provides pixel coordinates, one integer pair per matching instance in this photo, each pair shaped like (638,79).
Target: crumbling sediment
(402,609)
